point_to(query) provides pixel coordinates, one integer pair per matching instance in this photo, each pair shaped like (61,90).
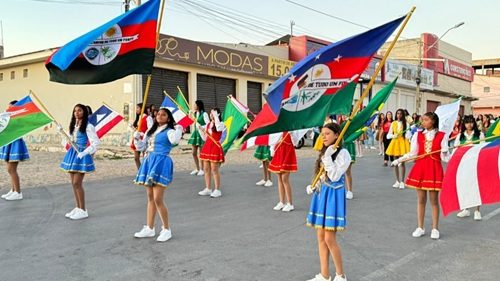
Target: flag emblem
(4,120)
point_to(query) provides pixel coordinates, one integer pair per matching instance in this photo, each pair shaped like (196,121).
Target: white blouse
(335,169)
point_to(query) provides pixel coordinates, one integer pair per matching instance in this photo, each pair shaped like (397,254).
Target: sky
(33,25)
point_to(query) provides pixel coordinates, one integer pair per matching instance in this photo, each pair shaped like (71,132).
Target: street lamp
(419,70)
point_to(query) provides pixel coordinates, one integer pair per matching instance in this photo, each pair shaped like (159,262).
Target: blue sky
(31,25)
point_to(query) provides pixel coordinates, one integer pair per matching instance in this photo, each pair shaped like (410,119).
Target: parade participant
(469,133)
(157,169)
(380,133)
(426,175)
(327,212)
(211,153)
(399,145)
(263,153)
(12,154)
(386,126)
(196,141)
(146,122)
(283,163)
(78,163)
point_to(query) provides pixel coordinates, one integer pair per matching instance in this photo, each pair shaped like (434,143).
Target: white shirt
(391,135)
(335,169)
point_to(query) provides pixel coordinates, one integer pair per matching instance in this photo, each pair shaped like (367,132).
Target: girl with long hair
(146,122)
(156,171)
(196,141)
(327,213)
(399,134)
(386,126)
(79,162)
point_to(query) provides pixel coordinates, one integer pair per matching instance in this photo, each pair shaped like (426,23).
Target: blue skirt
(328,209)
(15,151)
(72,164)
(156,169)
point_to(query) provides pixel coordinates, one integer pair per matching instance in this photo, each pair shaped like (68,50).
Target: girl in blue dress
(156,170)
(12,154)
(78,163)
(328,204)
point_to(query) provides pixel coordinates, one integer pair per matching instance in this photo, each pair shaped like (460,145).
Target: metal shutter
(165,80)
(213,91)
(254,97)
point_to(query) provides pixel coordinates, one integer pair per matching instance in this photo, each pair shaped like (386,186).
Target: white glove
(272,151)
(59,128)
(138,135)
(445,150)
(395,163)
(330,150)
(309,190)
(80,155)
(179,127)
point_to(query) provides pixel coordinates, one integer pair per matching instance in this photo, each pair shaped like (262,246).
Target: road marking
(492,214)
(392,267)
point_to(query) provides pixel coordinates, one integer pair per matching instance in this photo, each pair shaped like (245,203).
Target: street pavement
(238,236)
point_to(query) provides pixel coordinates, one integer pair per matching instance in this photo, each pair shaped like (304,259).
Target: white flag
(448,114)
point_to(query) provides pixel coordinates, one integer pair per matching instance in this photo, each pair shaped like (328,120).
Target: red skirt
(212,152)
(284,159)
(427,174)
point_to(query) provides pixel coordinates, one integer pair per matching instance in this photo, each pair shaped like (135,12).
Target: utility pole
(292,23)
(418,78)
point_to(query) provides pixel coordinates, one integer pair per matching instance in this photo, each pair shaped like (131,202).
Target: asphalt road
(238,236)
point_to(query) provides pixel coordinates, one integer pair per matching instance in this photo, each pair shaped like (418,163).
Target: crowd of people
(399,138)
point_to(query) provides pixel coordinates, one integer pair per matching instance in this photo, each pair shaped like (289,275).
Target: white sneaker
(216,193)
(268,183)
(396,184)
(477,216)
(373,147)
(193,172)
(79,214)
(464,213)
(260,183)
(320,277)
(279,206)
(205,192)
(380,153)
(261,166)
(401,185)
(14,196)
(165,235)
(145,232)
(435,234)
(340,278)
(200,173)
(419,232)
(71,212)
(349,195)
(288,207)
(7,194)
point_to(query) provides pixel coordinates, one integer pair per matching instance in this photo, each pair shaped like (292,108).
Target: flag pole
(54,119)
(366,91)
(195,121)
(148,81)
(416,157)
(237,108)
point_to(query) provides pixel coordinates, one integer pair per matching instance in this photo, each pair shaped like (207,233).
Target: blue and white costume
(82,161)
(157,167)
(328,202)
(16,151)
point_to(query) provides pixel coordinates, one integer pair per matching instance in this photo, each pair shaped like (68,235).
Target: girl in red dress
(427,173)
(211,153)
(146,122)
(284,162)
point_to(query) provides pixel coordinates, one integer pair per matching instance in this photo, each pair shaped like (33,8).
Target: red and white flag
(179,116)
(472,177)
(241,107)
(262,140)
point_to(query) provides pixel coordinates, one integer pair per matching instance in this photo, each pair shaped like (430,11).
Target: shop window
(25,73)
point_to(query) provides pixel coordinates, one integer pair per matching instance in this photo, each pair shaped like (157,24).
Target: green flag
(20,119)
(309,114)
(494,129)
(359,121)
(234,121)
(181,102)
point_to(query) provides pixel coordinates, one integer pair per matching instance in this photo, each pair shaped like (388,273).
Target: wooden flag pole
(148,81)
(54,119)
(366,91)
(416,157)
